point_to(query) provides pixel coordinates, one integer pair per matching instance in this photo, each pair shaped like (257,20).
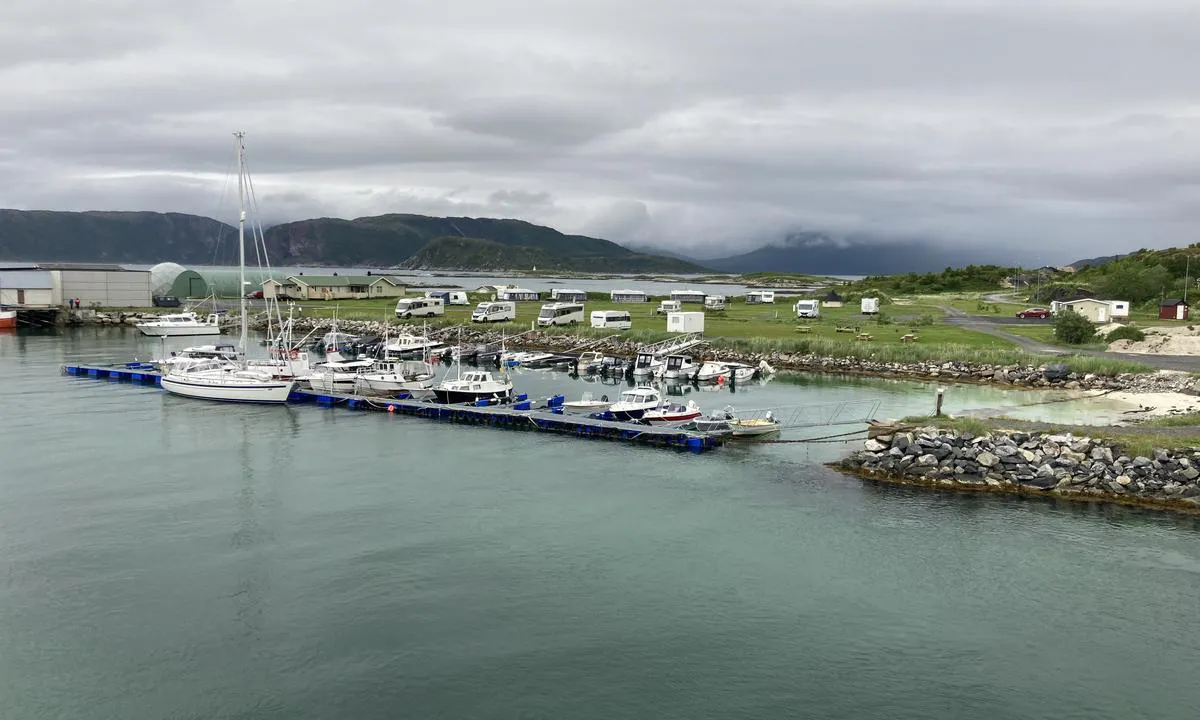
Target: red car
(1034,313)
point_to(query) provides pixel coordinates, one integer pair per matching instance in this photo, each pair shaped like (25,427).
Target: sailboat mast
(241,153)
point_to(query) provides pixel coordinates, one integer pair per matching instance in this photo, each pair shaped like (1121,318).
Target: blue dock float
(518,416)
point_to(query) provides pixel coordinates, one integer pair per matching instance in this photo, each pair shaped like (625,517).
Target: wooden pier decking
(518,416)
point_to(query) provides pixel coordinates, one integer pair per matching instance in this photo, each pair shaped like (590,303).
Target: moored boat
(669,412)
(634,403)
(472,386)
(181,324)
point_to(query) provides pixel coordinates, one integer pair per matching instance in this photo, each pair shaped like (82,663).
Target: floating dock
(499,416)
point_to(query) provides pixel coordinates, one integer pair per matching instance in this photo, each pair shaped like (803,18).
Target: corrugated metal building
(99,285)
(27,288)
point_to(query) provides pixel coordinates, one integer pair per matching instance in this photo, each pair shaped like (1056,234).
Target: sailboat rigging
(234,380)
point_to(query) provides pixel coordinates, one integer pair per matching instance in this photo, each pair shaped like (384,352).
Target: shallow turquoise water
(161,557)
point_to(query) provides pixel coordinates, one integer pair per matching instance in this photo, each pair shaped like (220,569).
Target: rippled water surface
(161,557)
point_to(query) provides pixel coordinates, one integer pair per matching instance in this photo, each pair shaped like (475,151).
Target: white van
(495,311)
(611,319)
(808,308)
(420,307)
(560,314)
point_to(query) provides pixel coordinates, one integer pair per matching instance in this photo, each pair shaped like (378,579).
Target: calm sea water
(161,557)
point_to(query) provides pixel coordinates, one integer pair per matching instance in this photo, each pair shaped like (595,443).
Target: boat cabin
(644,361)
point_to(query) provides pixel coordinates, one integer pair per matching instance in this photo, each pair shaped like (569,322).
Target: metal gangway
(674,345)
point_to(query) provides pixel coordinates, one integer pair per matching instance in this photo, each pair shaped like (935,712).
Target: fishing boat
(231,380)
(587,404)
(677,367)
(474,385)
(669,412)
(632,404)
(646,365)
(181,324)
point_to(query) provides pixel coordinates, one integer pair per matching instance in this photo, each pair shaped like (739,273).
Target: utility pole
(1187,276)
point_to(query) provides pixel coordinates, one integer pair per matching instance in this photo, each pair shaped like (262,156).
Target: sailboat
(237,380)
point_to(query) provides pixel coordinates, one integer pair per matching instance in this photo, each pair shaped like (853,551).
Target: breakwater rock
(1031,463)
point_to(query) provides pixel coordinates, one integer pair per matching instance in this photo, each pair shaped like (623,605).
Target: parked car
(256,295)
(1034,313)
(166,301)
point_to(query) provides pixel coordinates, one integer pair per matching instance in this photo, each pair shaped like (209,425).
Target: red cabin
(1173,309)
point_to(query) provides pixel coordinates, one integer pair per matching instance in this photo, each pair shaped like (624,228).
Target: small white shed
(685,322)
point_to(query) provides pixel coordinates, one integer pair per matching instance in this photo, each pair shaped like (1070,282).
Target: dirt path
(994,326)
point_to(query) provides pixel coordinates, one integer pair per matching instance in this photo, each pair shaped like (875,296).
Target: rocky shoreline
(1017,376)
(1052,465)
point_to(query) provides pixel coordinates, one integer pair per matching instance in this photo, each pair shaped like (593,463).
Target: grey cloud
(700,128)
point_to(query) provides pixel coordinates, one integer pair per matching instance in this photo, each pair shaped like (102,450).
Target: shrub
(1073,328)
(1126,332)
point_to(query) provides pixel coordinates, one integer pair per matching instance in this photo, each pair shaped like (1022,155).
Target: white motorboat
(226,380)
(336,376)
(755,427)
(587,404)
(8,319)
(412,345)
(677,367)
(390,378)
(472,386)
(740,372)
(180,324)
(589,363)
(712,372)
(632,404)
(191,356)
(669,412)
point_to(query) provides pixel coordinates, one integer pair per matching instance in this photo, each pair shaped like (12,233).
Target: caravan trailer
(560,314)
(714,302)
(419,307)
(611,319)
(808,308)
(869,306)
(757,297)
(449,297)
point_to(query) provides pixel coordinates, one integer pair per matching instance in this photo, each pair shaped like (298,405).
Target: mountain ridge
(389,240)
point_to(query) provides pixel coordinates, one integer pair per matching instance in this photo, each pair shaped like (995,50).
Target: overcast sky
(1062,128)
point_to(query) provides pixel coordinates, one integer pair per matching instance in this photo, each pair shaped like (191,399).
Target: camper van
(450,297)
(419,307)
(560,314)
(495,311)
(808,308)
(668,306)
(611,319)
(870,306)
(714,302)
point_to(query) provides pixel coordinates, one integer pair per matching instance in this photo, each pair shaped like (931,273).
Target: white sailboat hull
(230,389)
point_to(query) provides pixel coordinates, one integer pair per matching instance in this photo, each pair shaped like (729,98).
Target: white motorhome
(450,297)
(756,297)
(808,308)
(420,307)
(668,306)
(714,302)
(611,319)
(494,311)
(560,314)
(869,306)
